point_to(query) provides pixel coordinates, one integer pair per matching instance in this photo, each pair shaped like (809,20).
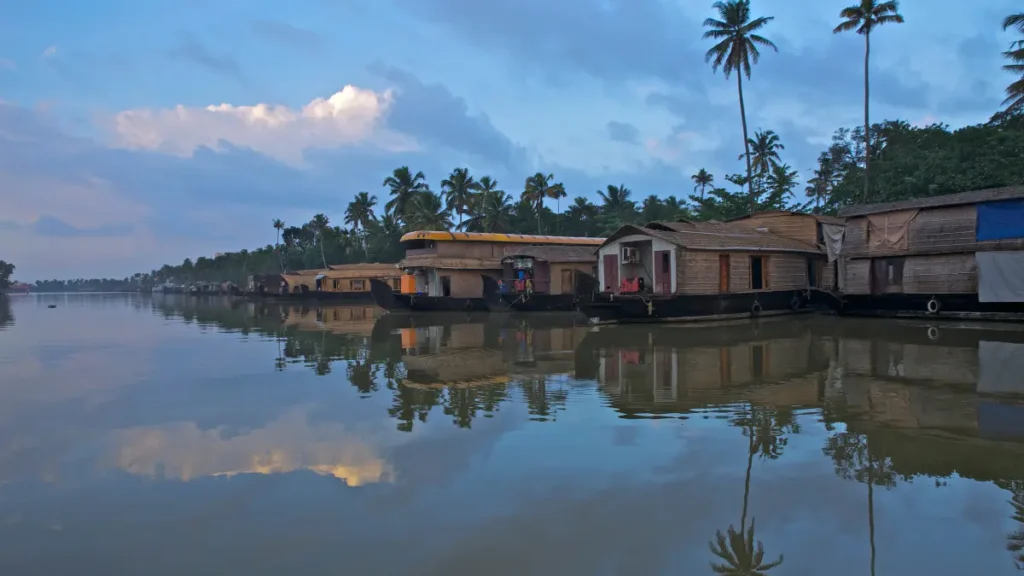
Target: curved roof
(439,236)
(715,236)
(557,254)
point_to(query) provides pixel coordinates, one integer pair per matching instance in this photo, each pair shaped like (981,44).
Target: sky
(134,134)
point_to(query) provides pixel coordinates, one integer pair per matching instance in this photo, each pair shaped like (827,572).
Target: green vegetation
(6,271)
(904,161)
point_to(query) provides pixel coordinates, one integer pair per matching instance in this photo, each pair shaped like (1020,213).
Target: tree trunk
(277,248)
(322,257)
(867,125)
(750,463)
(871,508)
(746,145)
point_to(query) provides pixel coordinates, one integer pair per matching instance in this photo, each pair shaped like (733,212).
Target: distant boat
(169,288)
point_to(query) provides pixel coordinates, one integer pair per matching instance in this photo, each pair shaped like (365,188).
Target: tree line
(886,161)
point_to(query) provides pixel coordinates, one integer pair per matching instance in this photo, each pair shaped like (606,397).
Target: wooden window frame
(357,285)
(765,276)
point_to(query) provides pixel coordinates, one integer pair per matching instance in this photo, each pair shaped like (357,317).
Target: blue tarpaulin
(1001,220)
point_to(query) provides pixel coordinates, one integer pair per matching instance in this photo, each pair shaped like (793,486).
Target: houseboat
(682,271)
(952,256)
(445,271)
(544,279)
(339,283)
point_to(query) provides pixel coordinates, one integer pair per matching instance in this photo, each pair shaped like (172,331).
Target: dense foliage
(6,270)
(905,162)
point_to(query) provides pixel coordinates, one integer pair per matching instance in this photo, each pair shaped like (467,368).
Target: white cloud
(8,64)
(50,52)
(348,117)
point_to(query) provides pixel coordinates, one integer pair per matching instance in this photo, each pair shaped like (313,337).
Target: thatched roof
(819,217)
(715,236)
(442,236)
(977,196)
(557,254)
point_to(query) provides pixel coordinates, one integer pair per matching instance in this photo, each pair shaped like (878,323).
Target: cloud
(284,33)
(348,117)
(193,51)
(433,115)
(8,64)
(49,52)
(623,132)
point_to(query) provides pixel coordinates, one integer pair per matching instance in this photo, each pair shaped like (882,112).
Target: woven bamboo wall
(858,275)
(940,274)
(698,271)
(800,227)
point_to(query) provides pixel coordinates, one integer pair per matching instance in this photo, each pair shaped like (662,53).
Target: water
(170,435)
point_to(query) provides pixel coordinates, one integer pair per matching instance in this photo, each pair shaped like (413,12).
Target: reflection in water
(249,423)
(6,316)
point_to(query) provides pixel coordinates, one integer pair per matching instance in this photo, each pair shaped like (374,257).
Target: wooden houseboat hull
(608,308)
(392,301)
(940,306)
(313,296)
(585,287)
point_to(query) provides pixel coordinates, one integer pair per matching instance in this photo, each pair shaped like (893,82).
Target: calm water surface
(178,436)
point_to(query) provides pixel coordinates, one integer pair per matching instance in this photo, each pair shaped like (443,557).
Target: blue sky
(111,163)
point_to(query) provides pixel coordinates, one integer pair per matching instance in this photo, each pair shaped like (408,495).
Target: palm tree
(781,181)
(279,226)
(820,185)
(458,190)
(404,186)
(863,18)
(764,148)
(1015,91)
(735,51)
(741,553)
(557,192)
(360,211)
(427,212)
(702,179)
(616,199)
(492,208)
(1015,539)
(319,223)
(535,190)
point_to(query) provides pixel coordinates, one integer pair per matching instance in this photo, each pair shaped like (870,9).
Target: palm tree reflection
(739,550)
(1015,539)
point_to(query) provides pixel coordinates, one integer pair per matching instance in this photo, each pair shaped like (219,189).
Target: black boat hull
(385,297)
(694,307)
(945,306)
(583,291)
(313,296)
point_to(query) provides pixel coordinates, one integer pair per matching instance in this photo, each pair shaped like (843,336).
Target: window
(396,283)
(356,285)
(757,361)
(336,284)
(758,273)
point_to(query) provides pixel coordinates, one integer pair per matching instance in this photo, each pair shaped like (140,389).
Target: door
(663,272)
(887,276)
(567,282)
(446,285)
(611,273)
(812,273)
(723,273)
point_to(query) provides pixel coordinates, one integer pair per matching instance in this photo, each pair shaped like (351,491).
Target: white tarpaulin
(321,276)
(1000,366)
(833,234)
(1000,276)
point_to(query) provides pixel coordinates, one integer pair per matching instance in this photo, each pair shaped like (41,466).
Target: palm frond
(889,19)
(846,26)
(1014,20)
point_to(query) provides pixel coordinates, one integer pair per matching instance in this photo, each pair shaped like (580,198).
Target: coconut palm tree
(864,17)
(820,185)
(735,51)
(535,190)
(781,181)
(404,186)
(458,189)
(616,199)
(1015,91)
(556,192)
(427,212)
(318,224)
(764,150)
(492,208)
(279,226)
(702,179)
(360,211)
(1015,539)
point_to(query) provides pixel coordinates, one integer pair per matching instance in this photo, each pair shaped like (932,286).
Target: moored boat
(685,271)
(544,279)
(446,271)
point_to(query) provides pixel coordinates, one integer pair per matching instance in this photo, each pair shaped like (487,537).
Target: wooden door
(723,273)
(663,272)
(887,276)
(567,283)
(611,273)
